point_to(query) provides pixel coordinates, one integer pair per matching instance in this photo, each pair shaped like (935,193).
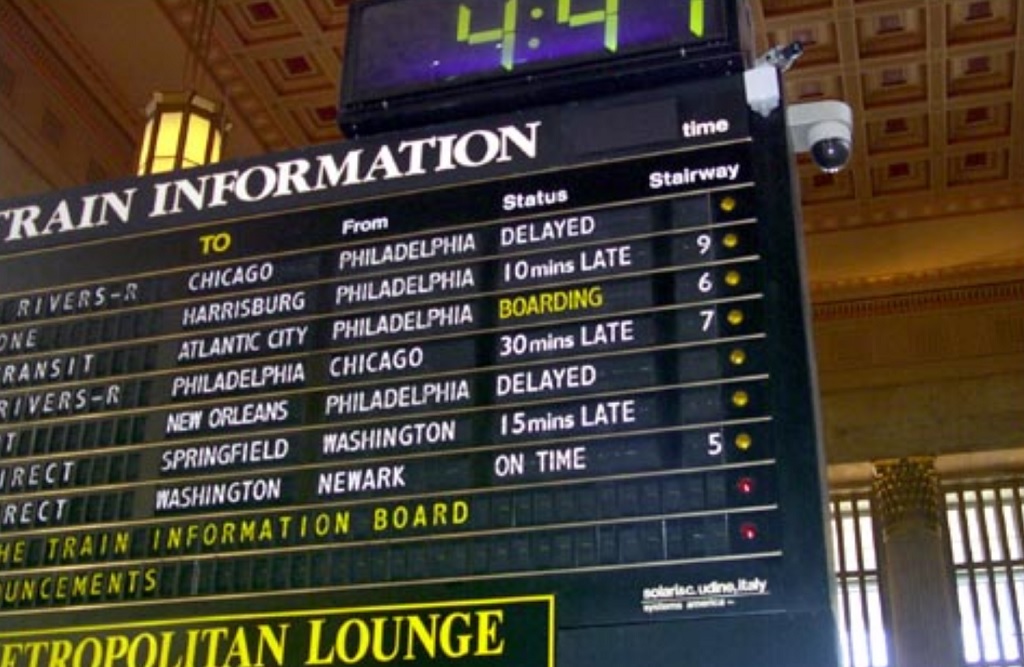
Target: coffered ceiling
(916,251)
(935,188)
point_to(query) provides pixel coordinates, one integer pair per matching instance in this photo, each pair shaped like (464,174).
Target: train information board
(528,390)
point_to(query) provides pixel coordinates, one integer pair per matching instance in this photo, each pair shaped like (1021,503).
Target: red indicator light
(748,531)
(745,485)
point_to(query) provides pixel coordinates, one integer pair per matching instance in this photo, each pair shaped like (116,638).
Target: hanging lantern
(183,130)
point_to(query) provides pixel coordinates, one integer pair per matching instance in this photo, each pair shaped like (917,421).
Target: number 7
(708,317)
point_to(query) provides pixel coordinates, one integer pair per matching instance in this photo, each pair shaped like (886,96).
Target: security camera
(825,129)
(782,57)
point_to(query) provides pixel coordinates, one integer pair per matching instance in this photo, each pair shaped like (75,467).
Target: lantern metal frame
(183,130)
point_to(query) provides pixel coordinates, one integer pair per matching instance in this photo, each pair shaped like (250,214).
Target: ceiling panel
(935,86)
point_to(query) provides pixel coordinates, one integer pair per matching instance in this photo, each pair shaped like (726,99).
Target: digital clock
(400,52)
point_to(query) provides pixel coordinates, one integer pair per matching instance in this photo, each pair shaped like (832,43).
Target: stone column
(924,621)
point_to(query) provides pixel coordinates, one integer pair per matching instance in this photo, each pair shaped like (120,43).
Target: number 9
(704,243)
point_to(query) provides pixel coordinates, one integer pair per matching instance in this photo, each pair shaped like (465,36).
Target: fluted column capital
(907,494)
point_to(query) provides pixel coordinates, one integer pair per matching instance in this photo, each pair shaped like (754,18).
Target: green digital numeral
(609,16)
(697,17)
(505,35)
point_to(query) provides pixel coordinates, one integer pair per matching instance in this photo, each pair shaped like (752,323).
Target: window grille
(859,602)
(985,530)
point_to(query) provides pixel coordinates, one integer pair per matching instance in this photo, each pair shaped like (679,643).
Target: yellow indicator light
(735,317)
(740,399)
(737,357)
(730,240)
(743,441)
(728,204)
(732,278)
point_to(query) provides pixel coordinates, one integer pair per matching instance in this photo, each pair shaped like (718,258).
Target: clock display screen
(402,46)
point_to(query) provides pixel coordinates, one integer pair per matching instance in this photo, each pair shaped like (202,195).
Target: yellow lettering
(379,631)
(341,522)
(550,302)
(60,651)
(166,640)
(149,651)
(460,512)
(239,649)
(29,594)
(122,543)
(114,586)
(487,642)
(402,517)
(274,642)
(427,637)
(334,639)
(87,547)
(34,649)
(440,514)
(88,647)
(214,635)
(316,627)
(9,657)
(362,645)
(460,648)
(70,547)
(116,649)
(13,552)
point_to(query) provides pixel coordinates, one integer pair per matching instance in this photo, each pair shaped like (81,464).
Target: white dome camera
(825,129)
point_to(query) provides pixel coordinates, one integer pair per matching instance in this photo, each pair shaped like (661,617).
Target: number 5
(714,443)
